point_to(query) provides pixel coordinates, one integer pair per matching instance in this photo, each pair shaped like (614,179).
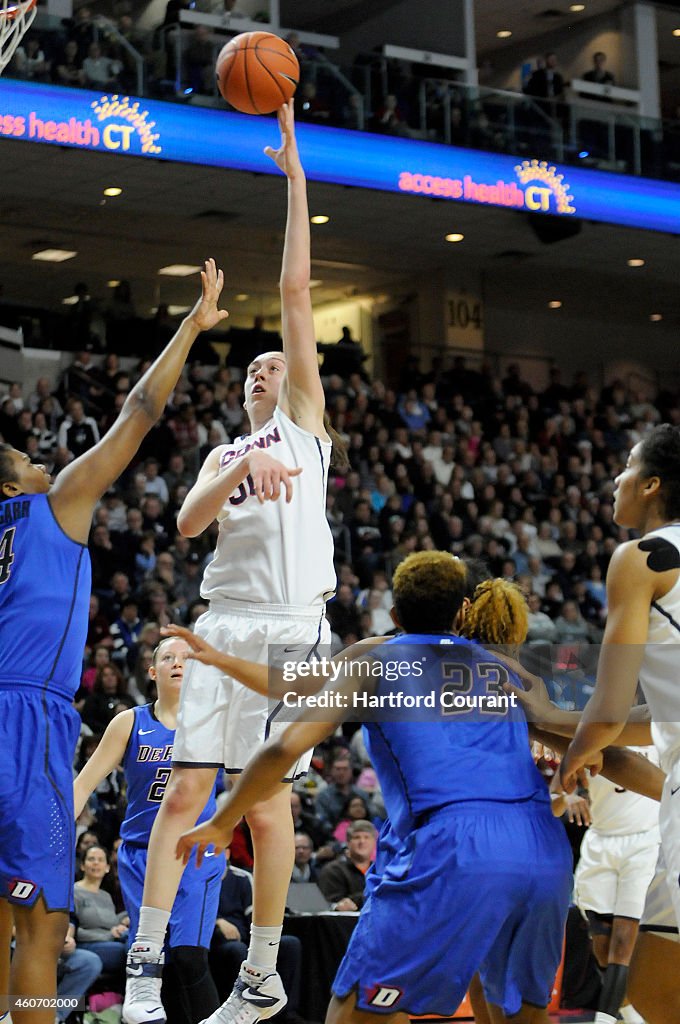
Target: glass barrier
(176,63)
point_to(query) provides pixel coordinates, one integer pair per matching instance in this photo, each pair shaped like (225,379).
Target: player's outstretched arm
(302,393)
(108,755)
(212,488)
(630,592)
(260,779)
(80,486)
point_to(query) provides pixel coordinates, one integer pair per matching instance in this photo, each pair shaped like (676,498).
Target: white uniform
(267,584)
(659,678)
(619,851)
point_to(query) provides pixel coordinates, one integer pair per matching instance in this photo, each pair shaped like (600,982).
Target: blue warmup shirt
(147,763)
(45,583)
(452,755)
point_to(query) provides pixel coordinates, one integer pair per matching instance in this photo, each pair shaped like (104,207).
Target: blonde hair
(498,614)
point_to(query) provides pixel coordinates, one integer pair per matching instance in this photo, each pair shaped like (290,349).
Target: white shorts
(220,722)
(662,909)
(613,872)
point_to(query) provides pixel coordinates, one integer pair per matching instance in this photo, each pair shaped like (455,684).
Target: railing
(594,128)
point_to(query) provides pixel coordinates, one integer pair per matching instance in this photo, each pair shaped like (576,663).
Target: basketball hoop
(16,17)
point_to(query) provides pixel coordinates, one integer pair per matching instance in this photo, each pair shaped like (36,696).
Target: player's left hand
(201,650)
(202,836)
(286,157)
(205,313)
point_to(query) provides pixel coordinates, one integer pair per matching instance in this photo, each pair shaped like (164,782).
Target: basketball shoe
(255,996)
(143,986)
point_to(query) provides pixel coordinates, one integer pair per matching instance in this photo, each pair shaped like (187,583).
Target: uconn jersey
(147,763)
(660,670)
(45,580)
(278,553)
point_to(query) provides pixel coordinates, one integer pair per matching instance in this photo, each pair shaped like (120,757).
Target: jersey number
(459,681)
(6,554)
(157,787)
(238,499)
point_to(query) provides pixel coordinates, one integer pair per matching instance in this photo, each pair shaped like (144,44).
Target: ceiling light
(241,297)
(112,284)
(70,300)
(454,237)
(178,310)
(179,270)
(54,255)
(554,304)
(636,263)
(504,33)
(314,283)
(655,317)
(113,191)
(676,31)
(320,218)
(577,8)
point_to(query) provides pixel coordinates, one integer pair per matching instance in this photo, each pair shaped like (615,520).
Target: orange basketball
(257,72)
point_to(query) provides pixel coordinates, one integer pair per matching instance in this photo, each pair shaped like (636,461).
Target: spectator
(571,625)
(331,802)
(109,690)
(100,929)
(125,635)
(356,809)
(78,433)
(77,970)
(598,73)
(546,81)
(30,61)
(69,69)
(304,868)
(343,880)
(100,72)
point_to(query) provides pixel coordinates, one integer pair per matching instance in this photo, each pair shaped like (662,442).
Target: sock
(264,948)
(613,990)
(605,1018)
(630,1015)
(153,924)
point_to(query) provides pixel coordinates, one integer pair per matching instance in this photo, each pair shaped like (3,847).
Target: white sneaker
(256,996)
(143,987)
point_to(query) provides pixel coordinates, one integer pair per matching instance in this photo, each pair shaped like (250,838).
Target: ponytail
(339,454)
(498,614)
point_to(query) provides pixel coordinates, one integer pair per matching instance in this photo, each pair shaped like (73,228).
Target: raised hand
(205,313)
(286,157)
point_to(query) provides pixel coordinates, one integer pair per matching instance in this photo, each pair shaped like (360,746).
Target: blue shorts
(194,911)
(38,736)
(476,888)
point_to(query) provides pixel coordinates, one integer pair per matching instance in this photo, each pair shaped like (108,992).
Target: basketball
(257,72)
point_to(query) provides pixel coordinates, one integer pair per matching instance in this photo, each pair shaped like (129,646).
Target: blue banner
(196,135)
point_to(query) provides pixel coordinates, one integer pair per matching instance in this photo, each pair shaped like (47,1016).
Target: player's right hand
(269,475)
(201,837)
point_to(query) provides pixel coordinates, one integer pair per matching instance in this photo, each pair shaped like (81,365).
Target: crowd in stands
(452,458)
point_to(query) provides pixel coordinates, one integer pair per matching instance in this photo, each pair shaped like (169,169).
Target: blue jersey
(45,582)
(147,763)
(457,754)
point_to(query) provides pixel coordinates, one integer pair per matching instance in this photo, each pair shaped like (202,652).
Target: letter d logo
(21,890)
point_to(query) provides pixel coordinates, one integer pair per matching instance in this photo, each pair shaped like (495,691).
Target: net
(16,17)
